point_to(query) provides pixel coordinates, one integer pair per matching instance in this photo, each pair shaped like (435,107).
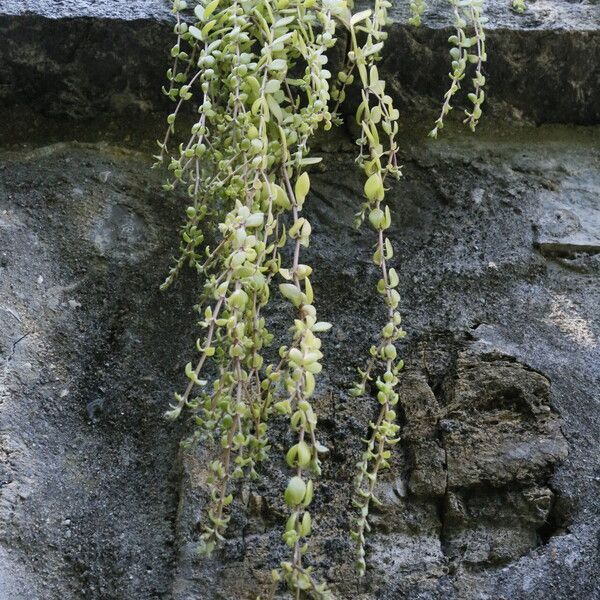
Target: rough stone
(514,499)
(494,527)
(428,475)
(66,58)
(82,391)
(492,492)
(504,430)
(481,492)
(569,226)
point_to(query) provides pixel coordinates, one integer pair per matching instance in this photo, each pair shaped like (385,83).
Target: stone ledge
(540,15)
(81,58)
(103,9)
(543,15)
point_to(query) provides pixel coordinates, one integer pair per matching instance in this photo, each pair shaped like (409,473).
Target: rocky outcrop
(493,491)
(471,488)
(499,459)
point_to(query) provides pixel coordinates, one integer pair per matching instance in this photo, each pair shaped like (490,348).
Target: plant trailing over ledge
(256,71)
(466,49)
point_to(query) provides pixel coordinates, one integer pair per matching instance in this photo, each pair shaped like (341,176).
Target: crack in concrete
(14,347)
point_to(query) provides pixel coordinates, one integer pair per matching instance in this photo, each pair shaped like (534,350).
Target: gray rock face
(103,9)
(569,230)
(487,496)
(513,437)
(88,350)
(493,491)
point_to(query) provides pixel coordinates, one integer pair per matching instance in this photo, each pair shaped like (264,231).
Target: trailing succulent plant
(255,72)
(519,6)
(467,48)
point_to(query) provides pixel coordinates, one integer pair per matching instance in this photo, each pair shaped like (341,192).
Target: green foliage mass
(256,72)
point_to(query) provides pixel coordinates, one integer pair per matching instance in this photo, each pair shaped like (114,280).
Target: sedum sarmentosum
(378,158)
(255,71)
(468,47)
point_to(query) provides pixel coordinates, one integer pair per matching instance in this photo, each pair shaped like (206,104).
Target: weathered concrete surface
(83,57)
(80,66)
(567,230)
(103,9)
(88,349)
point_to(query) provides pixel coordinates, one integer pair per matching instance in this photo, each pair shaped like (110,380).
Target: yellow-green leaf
(373,187)
(301,188)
